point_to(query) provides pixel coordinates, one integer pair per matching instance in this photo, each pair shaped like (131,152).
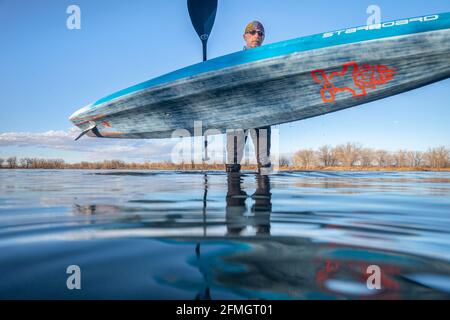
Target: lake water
(181,235)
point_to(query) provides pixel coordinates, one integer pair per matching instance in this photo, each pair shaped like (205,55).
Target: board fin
(91,127)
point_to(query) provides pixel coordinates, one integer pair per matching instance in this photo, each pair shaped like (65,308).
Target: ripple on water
(292,235)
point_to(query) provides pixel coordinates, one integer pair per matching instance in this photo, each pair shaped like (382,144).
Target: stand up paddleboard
(280,82)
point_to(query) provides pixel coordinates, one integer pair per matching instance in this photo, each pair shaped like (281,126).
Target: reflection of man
(262,204)
(236,219)
(236,207)
(254,36)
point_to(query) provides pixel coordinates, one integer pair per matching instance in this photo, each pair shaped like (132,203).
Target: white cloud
(99,149)
(91,149)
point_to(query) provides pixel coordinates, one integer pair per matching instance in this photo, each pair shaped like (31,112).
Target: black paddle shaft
(203,14)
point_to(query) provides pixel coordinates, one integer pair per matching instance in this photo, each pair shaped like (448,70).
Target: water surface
(196,235)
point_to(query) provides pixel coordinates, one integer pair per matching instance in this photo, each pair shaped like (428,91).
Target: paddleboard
(279,82)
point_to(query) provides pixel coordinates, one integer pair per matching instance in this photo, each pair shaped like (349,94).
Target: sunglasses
(253,32)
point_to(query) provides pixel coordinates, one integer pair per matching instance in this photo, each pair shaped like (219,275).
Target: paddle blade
(203,14)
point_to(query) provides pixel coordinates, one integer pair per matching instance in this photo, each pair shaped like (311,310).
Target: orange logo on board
(364,77)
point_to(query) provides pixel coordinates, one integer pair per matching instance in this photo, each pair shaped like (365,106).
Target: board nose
(79,115)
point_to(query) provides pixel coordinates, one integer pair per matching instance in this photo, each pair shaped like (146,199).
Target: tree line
(38,163)
(355,155)
(350,155)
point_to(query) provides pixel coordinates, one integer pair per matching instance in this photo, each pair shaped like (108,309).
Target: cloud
(91,149)
(99,149)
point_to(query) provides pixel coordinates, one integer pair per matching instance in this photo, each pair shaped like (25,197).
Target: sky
(48,71)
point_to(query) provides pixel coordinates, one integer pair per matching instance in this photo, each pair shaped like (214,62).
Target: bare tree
(366,157)
(391,161)
(1,162)
(438,157)
(59,163)
(400,158)
(418,158)
(334,157)
(284,161)
(381,157)
(29,162)
(304,158)
(12,162)
(414,158)
(410,158)
(326,156)
(348,154)
(23,163)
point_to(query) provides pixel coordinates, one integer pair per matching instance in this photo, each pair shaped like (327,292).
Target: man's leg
(261,141)
(235,149)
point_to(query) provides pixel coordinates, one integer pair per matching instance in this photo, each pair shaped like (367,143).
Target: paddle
(203,14)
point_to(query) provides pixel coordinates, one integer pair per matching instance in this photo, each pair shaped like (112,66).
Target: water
(175,235)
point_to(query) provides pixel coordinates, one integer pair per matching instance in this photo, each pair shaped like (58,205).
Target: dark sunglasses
(253,32)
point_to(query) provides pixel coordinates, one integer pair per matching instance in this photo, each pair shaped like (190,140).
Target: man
(254,36)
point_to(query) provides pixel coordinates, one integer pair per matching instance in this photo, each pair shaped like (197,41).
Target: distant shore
(345,157)
(217,167)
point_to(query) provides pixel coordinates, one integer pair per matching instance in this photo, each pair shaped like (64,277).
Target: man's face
(254,38)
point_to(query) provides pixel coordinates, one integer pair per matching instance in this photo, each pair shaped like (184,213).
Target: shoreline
(244,168)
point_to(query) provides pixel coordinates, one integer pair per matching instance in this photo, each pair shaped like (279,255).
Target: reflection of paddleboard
(281,82)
